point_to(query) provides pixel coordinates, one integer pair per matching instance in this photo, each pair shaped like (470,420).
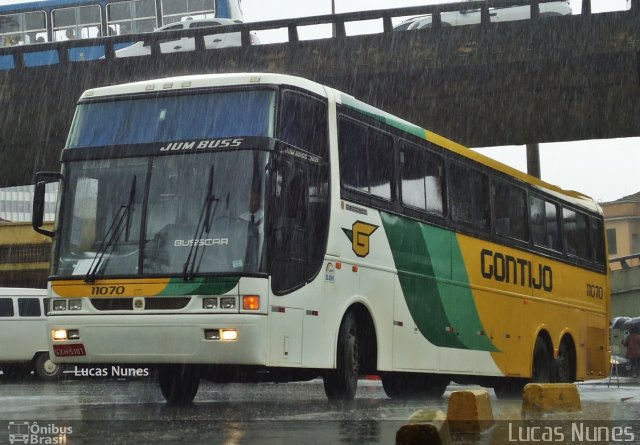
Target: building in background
(622,223)
(24,254)
(16,203)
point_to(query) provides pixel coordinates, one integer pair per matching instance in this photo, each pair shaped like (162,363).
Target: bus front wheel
(342,382)
(45,369)
(404,385)
(179,384)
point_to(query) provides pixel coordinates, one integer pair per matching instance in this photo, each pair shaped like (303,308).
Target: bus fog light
(59,305)
(251,302)
(59,334)
(227,303)
(75,305)
(212,334)
(210,303)
(73,334)
(228,334)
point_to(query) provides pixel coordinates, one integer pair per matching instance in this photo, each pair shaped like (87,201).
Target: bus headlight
(210,303)
(75,305)
(59,305)
(227,303)
(226,334)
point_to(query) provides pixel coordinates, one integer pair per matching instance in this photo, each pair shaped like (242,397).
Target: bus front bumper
(157,339)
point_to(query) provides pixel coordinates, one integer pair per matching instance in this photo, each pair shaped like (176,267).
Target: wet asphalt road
(83,411)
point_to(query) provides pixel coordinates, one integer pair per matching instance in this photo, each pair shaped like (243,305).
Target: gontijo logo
(359,236)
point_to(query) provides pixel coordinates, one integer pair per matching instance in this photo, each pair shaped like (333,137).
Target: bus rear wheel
(179,383)
(564,365)
(401,385)
(342,382)
(542,364)
(45,369)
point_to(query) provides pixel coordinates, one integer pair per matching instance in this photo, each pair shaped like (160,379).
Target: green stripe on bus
(200,286)
(444,311)
(384,117)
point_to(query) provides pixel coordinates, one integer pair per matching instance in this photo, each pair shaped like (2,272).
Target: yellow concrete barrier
(469,411)
(542,398)
(427,427)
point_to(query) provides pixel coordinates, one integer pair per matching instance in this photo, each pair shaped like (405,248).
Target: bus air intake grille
(153,304)
(166,303)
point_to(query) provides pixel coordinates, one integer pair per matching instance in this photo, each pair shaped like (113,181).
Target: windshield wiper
(204,224)
(111,238)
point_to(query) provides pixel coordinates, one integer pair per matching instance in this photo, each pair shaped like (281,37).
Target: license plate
(68,350)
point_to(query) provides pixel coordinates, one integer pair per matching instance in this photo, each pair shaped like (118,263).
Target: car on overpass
(472,16)
(212,41)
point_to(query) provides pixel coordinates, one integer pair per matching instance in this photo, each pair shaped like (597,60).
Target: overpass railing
(625,262)
(104,48)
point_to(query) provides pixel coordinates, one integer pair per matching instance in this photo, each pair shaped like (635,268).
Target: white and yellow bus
(251,227)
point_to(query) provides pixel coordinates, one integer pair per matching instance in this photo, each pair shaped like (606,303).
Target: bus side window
(29,307)
(80,22)
(576,234)
(422,181)
(366,158)
(6,307)
(597,235)
(131,17)
(510,211)
(469,192)
(544,223)
(304,123)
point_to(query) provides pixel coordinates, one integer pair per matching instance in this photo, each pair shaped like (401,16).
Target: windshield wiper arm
(113,234)
(204,224)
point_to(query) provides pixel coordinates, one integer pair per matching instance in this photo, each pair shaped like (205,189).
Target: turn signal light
(251,302)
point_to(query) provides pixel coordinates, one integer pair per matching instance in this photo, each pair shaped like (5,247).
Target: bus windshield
(199,216)
(126,121)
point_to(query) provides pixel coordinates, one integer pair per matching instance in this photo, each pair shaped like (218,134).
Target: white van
(23,334)
(472,16)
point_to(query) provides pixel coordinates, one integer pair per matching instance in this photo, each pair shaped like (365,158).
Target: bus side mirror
(37,216)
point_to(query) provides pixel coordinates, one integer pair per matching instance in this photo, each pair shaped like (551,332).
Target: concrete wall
(625,292)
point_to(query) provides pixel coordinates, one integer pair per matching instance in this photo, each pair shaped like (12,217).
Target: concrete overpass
(540,80)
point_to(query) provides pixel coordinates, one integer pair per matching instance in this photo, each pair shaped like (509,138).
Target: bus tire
(541,371)
(341,383)
(564,365)
(509,388)
(179,384)
(45,369)
(399,385)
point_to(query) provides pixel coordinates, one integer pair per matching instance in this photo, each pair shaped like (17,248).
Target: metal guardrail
(63,52)
(624,260)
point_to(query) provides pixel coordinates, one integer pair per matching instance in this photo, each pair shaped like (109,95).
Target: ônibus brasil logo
(36,434)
